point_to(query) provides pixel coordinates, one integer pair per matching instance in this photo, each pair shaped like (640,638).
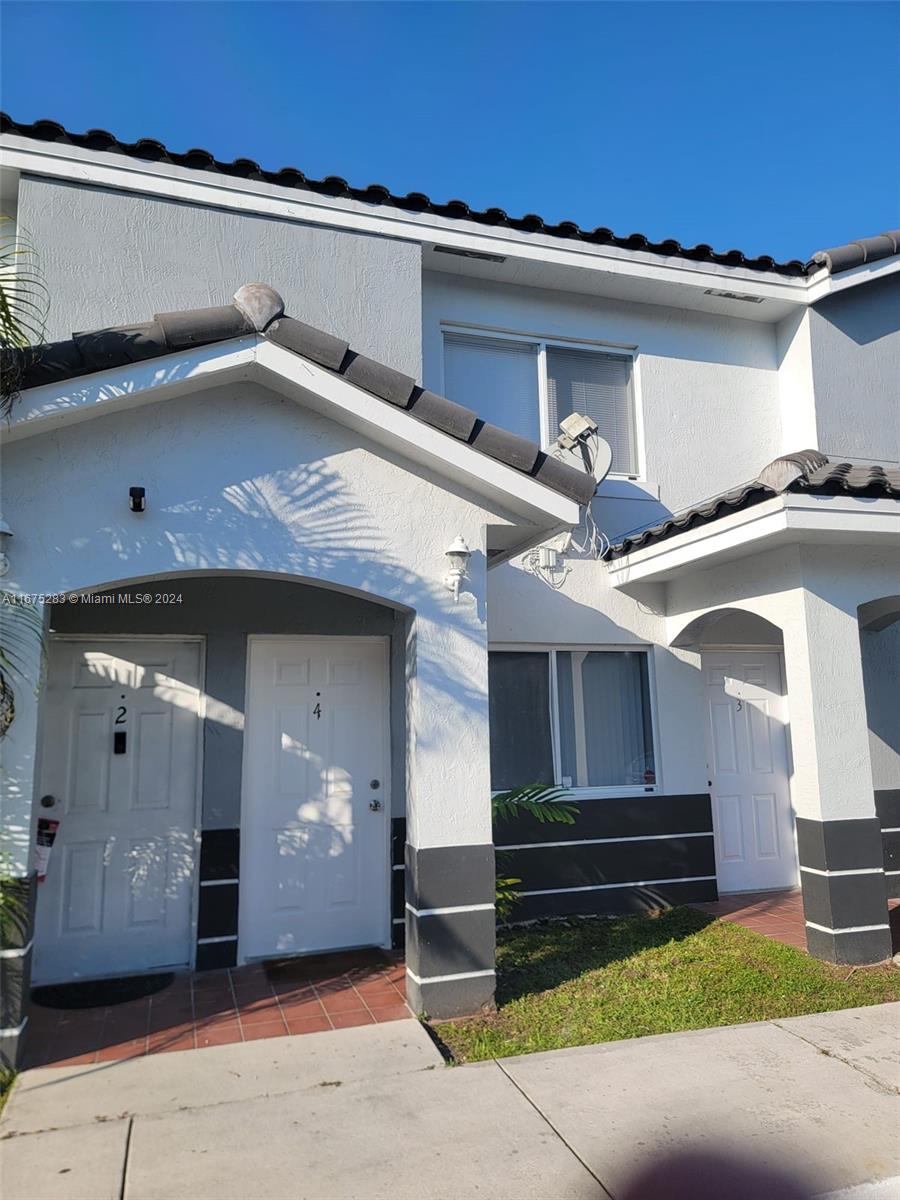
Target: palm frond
(545,803)
(22,651)
(506,897)
(24,303)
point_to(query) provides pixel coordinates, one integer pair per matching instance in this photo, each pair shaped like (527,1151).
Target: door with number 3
(747,754)
(119,771)
(315,813)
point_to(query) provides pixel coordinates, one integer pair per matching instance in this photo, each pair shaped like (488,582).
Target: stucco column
(18,763)
(838,833)
(449,852)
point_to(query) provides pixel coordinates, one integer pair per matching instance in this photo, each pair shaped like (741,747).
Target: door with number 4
(315,813)
(119,771)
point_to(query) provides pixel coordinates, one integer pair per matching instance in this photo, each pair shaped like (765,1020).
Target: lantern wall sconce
(5,534)
(458,555)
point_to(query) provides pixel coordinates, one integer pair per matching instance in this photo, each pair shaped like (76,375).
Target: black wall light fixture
(136,499)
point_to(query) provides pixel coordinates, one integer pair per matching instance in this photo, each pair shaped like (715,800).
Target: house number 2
(120,715)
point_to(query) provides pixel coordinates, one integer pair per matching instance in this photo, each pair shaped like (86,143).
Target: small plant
(21,643)
(544,803)
(23,309)
(13,906)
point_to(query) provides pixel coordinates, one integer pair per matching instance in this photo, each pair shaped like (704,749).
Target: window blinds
(496,378)
(519,691)
(604,716)
(599,386)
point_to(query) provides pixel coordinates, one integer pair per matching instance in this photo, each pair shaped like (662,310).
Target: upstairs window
(574,718)
(497,378)
(529,386)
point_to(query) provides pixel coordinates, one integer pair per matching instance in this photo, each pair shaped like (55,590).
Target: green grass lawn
(571,984)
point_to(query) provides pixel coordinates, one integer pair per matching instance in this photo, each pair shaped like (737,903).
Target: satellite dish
(579,437)
(602,452)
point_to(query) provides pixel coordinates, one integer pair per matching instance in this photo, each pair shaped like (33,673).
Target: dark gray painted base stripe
(844,845)
(614,817)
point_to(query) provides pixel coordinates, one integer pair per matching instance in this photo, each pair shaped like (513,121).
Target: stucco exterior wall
(113,257)
(707,385)
(238,479)
(855,348)
(812,593)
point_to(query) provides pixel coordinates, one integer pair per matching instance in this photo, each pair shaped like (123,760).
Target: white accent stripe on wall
(847,929)
(447,978)
(17,951)
(649,837)
(600,887)
(459,908)
(855,871)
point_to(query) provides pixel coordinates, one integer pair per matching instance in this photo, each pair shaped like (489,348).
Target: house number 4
(317,712)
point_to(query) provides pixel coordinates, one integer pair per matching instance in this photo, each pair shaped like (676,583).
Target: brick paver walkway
(778,915)
(214,1008)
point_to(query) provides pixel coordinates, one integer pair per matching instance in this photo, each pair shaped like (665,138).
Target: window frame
(541,342)
(551,649)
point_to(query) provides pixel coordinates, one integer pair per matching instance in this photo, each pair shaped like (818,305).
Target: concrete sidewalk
(372,1113)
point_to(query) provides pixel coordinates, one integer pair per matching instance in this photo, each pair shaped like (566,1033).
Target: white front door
(748,770)
(315,810)
(119,758)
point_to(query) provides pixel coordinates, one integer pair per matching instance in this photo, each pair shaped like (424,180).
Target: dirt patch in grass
(597,981)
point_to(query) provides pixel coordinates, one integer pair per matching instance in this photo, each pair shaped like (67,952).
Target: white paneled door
(119,768)
(748,770)
(316,809)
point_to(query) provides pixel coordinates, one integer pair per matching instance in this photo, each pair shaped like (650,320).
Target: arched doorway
(745,711)
(225,756)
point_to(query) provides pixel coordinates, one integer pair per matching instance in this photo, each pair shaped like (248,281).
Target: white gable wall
(238,479)
(110,258)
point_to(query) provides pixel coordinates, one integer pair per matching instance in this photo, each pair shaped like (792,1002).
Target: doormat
(100,993)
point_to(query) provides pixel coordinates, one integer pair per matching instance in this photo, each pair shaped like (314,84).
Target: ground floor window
(576,718)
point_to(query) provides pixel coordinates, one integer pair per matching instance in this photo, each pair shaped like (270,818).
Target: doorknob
(47,801)
(375,805)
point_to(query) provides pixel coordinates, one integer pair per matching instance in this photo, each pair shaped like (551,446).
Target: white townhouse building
(276,707)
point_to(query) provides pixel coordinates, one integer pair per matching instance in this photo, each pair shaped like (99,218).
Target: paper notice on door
(46,836)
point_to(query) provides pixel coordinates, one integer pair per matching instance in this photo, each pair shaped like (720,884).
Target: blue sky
(767,126)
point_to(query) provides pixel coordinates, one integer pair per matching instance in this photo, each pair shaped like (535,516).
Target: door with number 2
(119,769)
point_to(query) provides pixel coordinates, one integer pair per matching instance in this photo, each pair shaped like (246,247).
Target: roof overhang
(533,259)
(529,258)
(789,519)
(532,512)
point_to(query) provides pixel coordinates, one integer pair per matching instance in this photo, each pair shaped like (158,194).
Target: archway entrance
(748,753)
(225,771)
